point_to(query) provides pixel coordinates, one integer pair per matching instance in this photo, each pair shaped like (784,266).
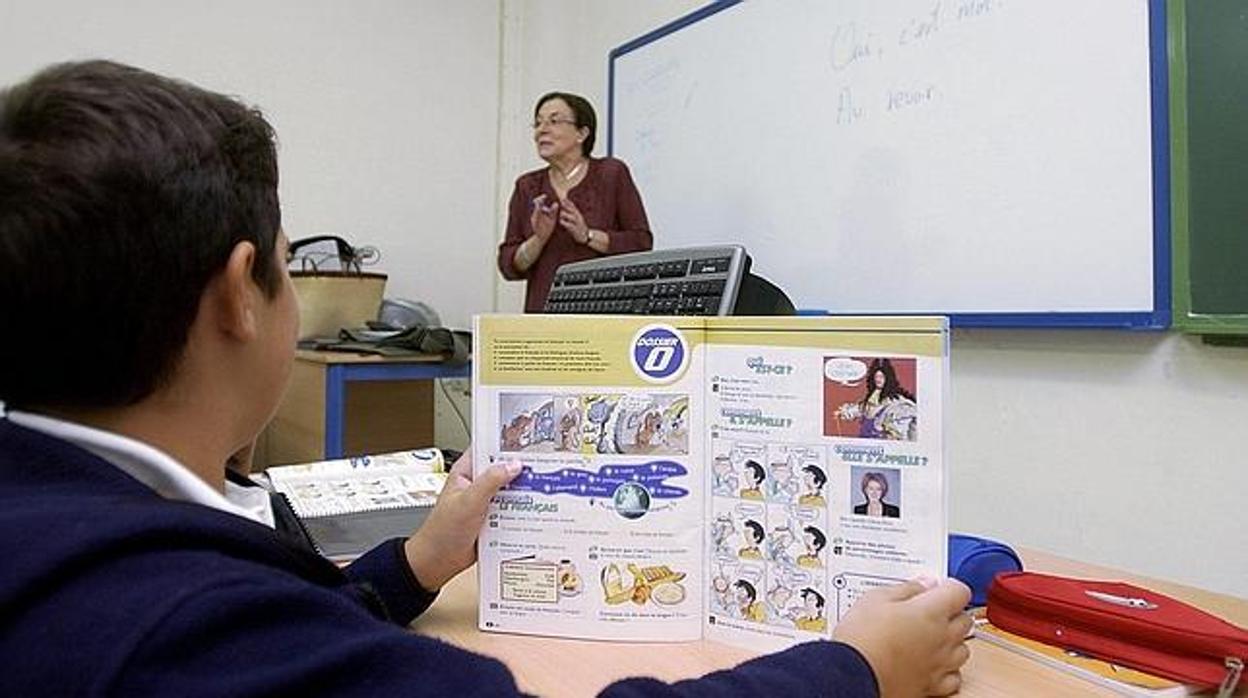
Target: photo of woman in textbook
(874,490)
(886,408)
(577,207)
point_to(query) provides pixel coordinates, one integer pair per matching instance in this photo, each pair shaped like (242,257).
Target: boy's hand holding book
(447,542)
(913,636)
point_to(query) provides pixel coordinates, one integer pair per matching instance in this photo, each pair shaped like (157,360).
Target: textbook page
(601,534)
(826,444)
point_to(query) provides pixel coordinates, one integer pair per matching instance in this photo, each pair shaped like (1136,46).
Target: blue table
(339,373)
(313,420)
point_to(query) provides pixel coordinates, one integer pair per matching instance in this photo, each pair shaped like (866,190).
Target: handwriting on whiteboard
(854,45)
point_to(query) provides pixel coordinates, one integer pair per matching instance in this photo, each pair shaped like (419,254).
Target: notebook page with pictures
(350,505)
(364,483)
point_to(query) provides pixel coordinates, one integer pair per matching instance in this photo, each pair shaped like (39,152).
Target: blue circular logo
(658,353)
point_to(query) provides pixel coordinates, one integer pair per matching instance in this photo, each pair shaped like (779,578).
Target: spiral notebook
(349,505)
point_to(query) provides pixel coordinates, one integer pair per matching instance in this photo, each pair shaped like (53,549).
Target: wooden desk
(348,404)
(553,667)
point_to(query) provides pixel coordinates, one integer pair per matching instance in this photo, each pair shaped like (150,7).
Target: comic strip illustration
(870,398)
(594,423)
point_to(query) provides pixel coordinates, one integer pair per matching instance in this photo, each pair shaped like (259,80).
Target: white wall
(386,112)
(1123,448)
(1120,448)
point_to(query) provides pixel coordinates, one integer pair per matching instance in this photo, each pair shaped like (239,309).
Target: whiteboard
(1003,162)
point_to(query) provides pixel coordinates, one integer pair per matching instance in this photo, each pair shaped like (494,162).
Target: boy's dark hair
(122,193)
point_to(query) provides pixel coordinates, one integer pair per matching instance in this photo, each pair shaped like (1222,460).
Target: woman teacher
(575,208)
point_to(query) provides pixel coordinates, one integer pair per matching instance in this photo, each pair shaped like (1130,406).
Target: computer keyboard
(686,281)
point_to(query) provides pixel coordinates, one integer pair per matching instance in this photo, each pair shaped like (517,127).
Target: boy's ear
(238,294)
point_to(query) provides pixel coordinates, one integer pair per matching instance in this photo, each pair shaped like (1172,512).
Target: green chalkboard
(1209,139)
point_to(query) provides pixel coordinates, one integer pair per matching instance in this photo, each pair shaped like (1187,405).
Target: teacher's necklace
(567,177)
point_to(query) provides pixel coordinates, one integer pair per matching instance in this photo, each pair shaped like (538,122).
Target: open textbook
(738,479)
(349,505)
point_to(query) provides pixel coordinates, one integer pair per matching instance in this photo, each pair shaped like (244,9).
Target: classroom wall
(1120,448)
(386,111)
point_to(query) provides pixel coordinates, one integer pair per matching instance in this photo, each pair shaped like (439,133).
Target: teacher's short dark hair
(122,194)
(582,111)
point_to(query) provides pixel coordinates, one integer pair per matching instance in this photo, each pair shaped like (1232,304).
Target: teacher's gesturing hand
(571,219)
(544,217)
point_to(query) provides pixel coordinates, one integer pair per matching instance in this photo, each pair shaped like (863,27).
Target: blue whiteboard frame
(1159,77)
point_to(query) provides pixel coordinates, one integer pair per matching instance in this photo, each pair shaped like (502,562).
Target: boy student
(140,242)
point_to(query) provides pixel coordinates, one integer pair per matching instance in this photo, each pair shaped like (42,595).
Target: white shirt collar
(154,468)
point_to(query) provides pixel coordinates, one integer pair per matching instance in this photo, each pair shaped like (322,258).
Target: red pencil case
(1121,623)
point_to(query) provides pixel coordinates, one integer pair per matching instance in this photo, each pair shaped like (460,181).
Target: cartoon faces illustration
(748,607)
(638,424)
(648,431)
(811,617)
(517,432)
(779,543)
(754,476)
(674,427)
(723,477)
(527,422)
(813,480)
(544,423)
(752,533)
(721,590)
(721,531)
(598,410)
(815,541)
(569,437)
(594,423)
(778,598)
(782,485)
(768,533)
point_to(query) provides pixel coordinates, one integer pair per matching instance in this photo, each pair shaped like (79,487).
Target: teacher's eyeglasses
(552,121)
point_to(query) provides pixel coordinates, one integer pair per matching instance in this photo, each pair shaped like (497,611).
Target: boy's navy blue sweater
(106,588)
